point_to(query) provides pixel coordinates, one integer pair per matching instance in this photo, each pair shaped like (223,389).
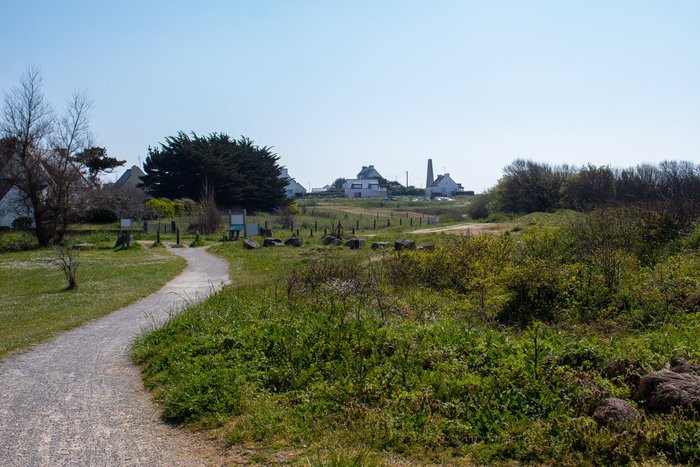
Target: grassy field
(34,305)
(491,349)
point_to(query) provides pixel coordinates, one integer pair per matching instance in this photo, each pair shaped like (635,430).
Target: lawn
(34,305)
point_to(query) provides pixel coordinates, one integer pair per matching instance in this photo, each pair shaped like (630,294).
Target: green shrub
(15,241)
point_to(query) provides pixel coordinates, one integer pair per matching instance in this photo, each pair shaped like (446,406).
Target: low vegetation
(35,305)
(488,349)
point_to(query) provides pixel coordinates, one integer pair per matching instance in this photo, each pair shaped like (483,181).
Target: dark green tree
(96,161)
(338,183)
(240,173)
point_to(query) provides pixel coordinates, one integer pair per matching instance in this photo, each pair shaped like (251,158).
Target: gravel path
(78,399)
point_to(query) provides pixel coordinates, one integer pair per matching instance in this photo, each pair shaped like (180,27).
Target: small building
(129,180)
(443,185)
(323,189)
(368,172)
(293,188)
(363,188)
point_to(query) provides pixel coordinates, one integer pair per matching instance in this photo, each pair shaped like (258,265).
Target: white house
(293,189)
(363,188)
(323,189)
(443,185)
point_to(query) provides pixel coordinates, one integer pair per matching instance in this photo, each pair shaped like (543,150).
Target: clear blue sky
(335,85)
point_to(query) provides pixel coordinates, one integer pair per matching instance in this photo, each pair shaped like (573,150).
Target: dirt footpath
(78,399)
(473,228)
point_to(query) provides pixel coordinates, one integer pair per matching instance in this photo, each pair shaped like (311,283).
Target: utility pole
(407,179)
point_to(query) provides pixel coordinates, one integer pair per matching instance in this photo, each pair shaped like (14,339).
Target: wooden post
(315,225)
(311,232)
(297,232)
(420,221)
(411,222)
(177,236)
(388,222)
(375,224)
(357,223)
(353,231)
(400,220)
(158,235)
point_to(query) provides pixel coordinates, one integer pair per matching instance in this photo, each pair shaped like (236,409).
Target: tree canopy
(240,173)
(672,187)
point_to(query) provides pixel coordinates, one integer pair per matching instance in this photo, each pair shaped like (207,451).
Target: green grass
(491,349)
(34,305)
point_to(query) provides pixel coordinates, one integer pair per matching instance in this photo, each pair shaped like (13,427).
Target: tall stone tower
(429,179)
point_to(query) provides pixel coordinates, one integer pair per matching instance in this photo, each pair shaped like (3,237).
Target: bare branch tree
(51,178)
(28,120)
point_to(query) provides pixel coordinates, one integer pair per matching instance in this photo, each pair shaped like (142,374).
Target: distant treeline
(528,186)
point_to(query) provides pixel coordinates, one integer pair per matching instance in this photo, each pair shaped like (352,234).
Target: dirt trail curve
(78,400)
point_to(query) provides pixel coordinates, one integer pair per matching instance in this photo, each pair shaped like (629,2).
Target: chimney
(429,179)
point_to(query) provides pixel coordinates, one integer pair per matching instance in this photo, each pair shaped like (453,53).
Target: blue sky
(334,85)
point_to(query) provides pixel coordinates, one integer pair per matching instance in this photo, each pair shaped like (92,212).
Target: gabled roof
(128,177)
(368,172)
(439,179)
(5,187)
